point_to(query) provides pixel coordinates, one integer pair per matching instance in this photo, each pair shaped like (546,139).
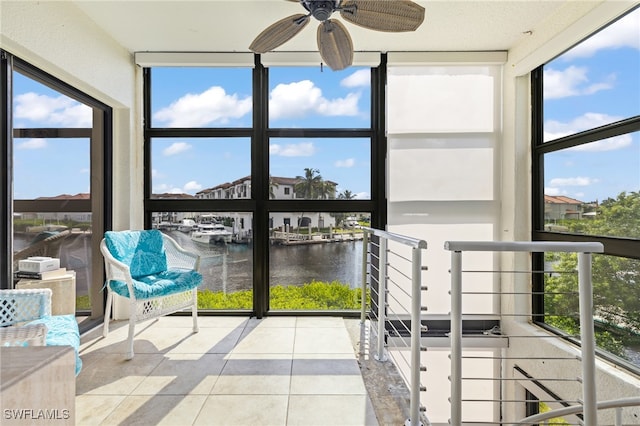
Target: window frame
(613,246)
(99,205)
(259,204)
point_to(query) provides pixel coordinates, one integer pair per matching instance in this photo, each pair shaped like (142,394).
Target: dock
(292,238)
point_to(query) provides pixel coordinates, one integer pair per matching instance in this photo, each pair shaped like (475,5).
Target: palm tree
(326,190)
(308,185)
(346,195)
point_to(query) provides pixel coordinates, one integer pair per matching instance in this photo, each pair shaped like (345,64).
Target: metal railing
(615,404)
(587,358)
(392,283)
(376,278)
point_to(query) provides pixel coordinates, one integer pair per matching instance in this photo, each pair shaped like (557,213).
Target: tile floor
(235,371)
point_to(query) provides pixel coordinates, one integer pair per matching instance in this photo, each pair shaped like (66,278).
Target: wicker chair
(49,246)
(26,320)
(153,272)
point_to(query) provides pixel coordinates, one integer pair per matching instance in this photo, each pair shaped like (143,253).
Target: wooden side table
(37,385)
(63,300)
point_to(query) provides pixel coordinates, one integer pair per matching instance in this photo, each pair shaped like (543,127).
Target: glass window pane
(201,97)
(595,83)
(320,168)
(616,301)
(593,188)
(201,167)
(311,97)
(48,167)
(224,241)
(66,236)
(37,106)
(315,260)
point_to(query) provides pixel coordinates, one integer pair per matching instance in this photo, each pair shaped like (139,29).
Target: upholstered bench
(26,320)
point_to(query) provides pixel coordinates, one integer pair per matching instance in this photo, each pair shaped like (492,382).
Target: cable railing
(585,359)
(495,334)
(403,274)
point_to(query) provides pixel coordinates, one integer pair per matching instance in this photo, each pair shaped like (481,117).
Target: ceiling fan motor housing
(320,9)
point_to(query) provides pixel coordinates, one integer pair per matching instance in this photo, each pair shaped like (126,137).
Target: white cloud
(554,129)
(572,181)
(303,149)
(362,196)
(572,81)
(192,186)
(211,106)
(349,162)
(553,191)
(299,99)
(623,33)
(360,78)
(47,110)
(161,188)
(176,148)
(35,143)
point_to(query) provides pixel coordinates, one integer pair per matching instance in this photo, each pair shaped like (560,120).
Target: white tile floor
(235,371)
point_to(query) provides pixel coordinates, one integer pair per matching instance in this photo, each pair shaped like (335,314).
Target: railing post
(365,252)
(587,340)
(416,310)
(382,297)
(456,338)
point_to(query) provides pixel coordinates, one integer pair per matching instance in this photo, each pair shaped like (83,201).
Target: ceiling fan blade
(383,15)
(334,44)
(279,33)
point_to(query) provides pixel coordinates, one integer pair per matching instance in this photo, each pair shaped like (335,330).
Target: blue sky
(593,84)
(596,83)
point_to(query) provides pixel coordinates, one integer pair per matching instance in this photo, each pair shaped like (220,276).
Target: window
(59,147)
(586,158)
(277,188)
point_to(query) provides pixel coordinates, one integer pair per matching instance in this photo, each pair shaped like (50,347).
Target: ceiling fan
(334,42)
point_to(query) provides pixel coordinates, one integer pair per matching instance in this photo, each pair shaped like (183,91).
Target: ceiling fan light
(320,9)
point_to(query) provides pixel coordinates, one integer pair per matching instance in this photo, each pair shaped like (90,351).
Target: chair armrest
(21,305)
(178,257)
(114,269)
(32,335)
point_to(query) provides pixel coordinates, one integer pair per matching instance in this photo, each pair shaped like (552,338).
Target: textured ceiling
(230,26)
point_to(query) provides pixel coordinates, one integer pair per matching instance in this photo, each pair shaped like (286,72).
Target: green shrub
(316,295)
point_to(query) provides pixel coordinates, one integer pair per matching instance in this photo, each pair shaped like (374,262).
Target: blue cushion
(62,330)
(168,282)
(142,251)
(43,236)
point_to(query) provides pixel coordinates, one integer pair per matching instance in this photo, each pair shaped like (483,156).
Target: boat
(211,233)
(187,225)
(350,222)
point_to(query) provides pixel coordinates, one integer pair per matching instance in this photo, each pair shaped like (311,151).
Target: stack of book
(40,268)
(45,275)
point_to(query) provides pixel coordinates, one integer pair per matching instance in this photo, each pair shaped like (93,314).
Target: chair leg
(107,314)
(194,311)
(132,326)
